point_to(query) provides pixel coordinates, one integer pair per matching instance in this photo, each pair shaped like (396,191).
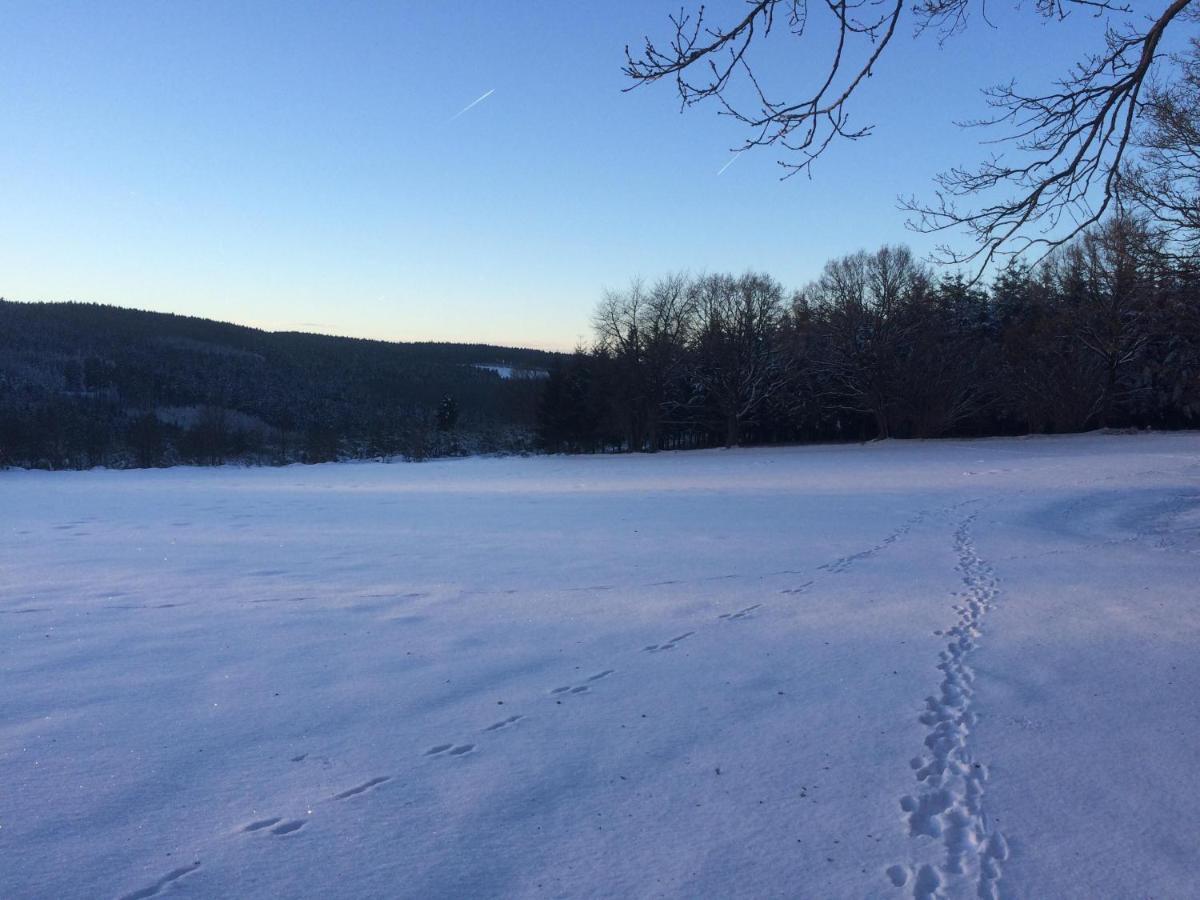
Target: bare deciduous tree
(645,333)
(738,366)
(1165,181)
(1113,262)
(860,295)
(618,326)
(668,318)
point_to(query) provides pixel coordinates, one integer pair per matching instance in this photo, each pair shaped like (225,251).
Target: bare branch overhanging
(1074,140)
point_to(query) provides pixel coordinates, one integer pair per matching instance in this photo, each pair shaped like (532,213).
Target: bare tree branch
(1165,181)
(1070,143)
(704,60)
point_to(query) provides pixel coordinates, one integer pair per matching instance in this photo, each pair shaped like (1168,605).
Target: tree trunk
(733,431)
(881,424)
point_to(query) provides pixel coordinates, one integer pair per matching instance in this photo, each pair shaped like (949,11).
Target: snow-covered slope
(952,669)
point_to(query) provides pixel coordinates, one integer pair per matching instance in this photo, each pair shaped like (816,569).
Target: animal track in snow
(504,723)
(156,888)
(948,803)
(582,688)
(845,562)
(450,750)
(668,644)
(262,823)
(927,884)
(276,824)
(838,565)
(143,605)
(362,788)
(798,589)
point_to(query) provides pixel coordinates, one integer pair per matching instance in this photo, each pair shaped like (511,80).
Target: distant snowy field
(951,669)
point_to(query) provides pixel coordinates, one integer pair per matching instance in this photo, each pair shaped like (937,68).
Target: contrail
(474,102)
(732,160)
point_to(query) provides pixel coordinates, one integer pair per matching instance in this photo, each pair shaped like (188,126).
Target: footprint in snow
(450,750)
(741,613)
(798,589)
(262,823)
(582,688)
(276,824)
(668,644)
(504,723)
(362,788)
(156,888)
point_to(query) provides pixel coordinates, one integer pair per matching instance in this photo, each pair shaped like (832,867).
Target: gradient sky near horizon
(305,166)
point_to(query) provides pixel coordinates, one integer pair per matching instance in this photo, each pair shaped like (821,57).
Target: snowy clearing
(951,669)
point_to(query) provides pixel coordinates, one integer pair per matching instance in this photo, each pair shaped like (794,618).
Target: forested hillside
(84,385)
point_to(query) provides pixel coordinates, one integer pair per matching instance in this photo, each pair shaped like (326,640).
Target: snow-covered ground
(950,669)
(517,372)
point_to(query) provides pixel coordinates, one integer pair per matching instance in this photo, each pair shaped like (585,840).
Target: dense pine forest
(86,385)
(1104,333)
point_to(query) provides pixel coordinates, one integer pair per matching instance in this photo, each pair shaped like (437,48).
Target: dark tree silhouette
(447,414)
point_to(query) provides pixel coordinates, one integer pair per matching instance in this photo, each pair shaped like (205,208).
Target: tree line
(1105,332)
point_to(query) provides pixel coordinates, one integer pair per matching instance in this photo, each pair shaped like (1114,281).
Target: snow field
(945,669)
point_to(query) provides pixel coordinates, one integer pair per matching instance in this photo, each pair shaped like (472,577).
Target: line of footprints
(566,690)
(276,825)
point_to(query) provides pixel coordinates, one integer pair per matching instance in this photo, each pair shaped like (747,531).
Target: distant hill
(85,384)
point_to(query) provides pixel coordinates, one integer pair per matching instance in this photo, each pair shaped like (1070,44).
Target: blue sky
(297,165)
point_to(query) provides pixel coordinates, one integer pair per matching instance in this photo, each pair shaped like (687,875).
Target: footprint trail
(948,803)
